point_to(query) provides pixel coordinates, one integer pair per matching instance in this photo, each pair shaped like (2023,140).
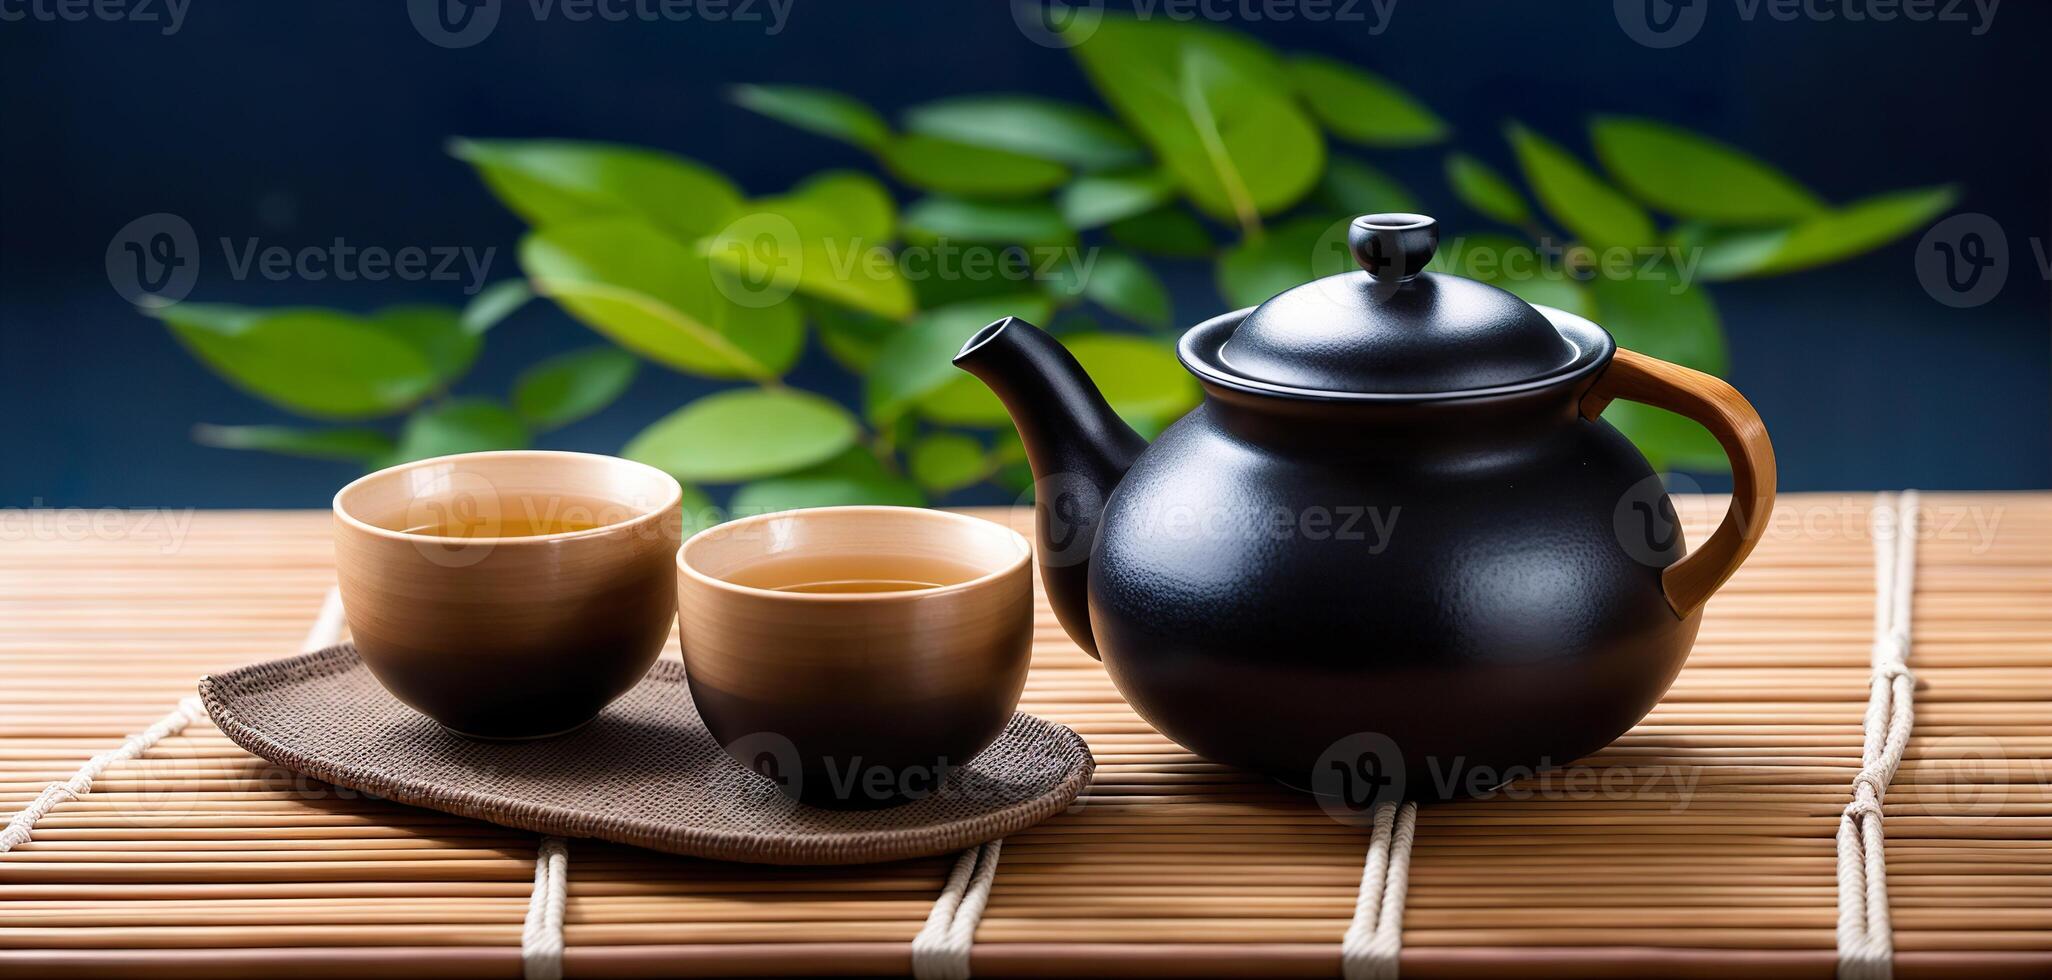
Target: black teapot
(1395,543)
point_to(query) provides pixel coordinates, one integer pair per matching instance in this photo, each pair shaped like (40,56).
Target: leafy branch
(1216,148)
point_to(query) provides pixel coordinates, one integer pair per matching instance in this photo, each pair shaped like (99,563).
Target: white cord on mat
(327,627)
(1375,938)
(941,950)
(541,941)
(20,829)
(1866,942)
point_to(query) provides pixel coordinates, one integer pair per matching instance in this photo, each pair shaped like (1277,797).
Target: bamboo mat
(1701,843)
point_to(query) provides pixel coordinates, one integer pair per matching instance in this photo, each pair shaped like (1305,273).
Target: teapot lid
(1394,329)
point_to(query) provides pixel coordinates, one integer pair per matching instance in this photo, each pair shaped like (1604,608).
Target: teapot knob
(1394,247)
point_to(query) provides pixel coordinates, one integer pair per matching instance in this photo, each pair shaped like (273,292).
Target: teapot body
(1396,552)
(1445,598)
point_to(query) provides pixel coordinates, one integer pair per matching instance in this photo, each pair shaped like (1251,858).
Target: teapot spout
(1078,448)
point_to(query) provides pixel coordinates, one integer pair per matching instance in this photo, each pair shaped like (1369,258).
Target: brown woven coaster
(645,772)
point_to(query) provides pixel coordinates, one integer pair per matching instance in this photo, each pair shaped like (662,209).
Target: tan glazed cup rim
(1023,552)
(671,495)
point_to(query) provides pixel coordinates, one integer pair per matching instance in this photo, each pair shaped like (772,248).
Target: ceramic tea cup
(509,595)
(856,654)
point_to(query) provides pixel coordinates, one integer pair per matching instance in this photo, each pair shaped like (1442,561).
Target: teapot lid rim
(1201,347)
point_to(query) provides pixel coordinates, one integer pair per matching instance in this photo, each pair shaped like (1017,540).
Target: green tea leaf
(851,337)
(1018,478)
(1099,199)
(965,402)
(1239,131)
(313,362)
(1721,254)
(1512,265)
(1124,285)
(813,242)
(436,332)
(1008,448)
(1693,176)
(954,397)
(994,273)
(494,303)
(1664,318)
(1013,471)
(817,111)
(852,478)
(1029,125)
(1673,322)
(1853,229)
(992,222)
(1170,232)
(1361,106)
(572,386)
(744,435)
(947,461)
(1562,294)
(1214,106)
(1482,188)
(1667,319)
(972,171)
(1353,187)
(551,182)
(352,445)
(1140,377)
(661,300)
(1668,441)
(858,204)
(799,492)
(1291,254)
(1577,198)
(464,425)
(919,360)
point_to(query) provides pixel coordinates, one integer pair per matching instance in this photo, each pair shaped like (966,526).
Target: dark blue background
(299,122)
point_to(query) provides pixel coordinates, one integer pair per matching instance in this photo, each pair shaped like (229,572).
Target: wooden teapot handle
(1719,407)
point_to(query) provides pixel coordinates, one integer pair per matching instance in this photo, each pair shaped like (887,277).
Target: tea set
(1395,511)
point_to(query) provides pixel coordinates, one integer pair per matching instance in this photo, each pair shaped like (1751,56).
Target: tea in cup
(509,595)
(856,655)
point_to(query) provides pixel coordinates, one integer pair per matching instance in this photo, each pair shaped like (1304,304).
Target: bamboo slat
(1700,844)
